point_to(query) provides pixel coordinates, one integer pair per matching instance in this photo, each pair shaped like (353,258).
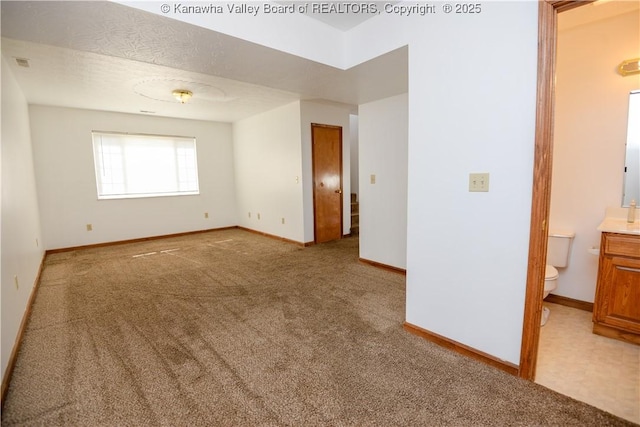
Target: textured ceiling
(71,78)
(344,21)
(107,56)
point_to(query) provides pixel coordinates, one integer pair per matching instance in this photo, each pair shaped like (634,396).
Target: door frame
(313,174)
(541,197)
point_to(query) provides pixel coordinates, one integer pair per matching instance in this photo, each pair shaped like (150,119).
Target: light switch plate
(478,182)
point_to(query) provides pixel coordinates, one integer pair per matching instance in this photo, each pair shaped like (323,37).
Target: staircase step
(355,215)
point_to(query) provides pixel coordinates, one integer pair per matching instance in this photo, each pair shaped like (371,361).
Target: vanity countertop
(619,225)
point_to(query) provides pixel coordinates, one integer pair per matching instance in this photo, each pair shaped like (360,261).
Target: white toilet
(558,249)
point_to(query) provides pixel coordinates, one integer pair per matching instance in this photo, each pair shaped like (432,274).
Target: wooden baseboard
(462,349)
(617,334)
(383,266)
(570,302)
(138,240)
(6,380)
(273,236)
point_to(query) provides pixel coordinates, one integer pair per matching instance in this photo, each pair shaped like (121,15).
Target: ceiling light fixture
(182,95)
(630,66)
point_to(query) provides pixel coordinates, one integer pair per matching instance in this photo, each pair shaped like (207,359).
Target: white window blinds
(130,165)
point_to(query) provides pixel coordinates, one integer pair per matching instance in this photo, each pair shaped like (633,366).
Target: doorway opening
(541,196)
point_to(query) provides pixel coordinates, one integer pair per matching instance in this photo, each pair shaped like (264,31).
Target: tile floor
(600,371)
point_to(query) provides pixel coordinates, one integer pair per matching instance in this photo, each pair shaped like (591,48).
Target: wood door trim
(541,197)
(320,125)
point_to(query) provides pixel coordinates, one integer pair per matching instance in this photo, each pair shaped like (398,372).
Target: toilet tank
(559,247)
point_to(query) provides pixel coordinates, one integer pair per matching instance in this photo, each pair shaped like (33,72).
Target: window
(130,165)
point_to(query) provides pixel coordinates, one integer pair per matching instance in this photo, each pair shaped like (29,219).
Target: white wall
(589,138)
(294,33)
(274,168)
(383,205)
(268,165)
(67,189)
(472,92)
(472,83)
(21,250)
(325,114)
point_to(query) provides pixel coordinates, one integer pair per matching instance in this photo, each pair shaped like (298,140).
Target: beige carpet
(230,328)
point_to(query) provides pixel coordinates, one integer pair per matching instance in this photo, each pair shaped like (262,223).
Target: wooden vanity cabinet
(616,309)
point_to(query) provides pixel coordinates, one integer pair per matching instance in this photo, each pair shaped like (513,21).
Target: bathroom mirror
(631,189)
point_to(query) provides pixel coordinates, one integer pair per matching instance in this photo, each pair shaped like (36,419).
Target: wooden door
(326,144)
(618,304)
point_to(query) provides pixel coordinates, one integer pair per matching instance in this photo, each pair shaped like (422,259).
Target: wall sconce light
(182,95)
(630,66)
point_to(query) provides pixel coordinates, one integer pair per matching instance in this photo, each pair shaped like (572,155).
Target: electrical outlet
(258,216)
(478,182)
(89,227)
(249,214)
(15,281)
(283,220)
(206,214)
(372,178)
